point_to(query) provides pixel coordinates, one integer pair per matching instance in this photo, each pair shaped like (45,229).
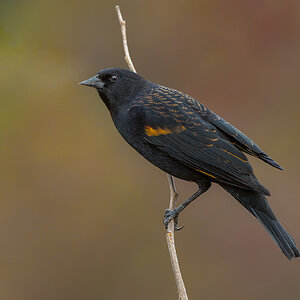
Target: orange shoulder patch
(150,131)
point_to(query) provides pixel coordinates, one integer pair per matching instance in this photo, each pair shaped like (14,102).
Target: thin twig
(173,194)
(124,38)
(171,243)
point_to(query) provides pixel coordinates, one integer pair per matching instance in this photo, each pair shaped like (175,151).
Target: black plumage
(187,140)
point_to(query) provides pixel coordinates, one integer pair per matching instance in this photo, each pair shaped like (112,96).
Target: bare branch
(173,194)
(124,38)
(171,243)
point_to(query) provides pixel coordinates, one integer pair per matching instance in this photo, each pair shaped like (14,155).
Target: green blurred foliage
(81,212)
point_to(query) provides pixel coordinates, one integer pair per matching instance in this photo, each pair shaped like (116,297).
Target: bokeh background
(80,211)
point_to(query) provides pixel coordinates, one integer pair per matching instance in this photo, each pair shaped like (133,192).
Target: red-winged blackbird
(184,138)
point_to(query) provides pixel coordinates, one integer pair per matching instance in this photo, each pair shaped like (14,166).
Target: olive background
(80,211)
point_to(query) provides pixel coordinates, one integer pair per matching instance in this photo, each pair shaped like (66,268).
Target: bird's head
(116,86)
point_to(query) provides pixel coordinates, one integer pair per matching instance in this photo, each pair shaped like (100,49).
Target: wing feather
(243,142)
(183,135)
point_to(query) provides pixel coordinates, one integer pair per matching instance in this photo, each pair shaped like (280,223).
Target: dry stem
(173,194)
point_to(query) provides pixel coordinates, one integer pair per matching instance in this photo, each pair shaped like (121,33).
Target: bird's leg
(173,214)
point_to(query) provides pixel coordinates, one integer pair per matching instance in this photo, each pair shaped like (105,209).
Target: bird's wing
(177,130)
(240,139)
(244,143)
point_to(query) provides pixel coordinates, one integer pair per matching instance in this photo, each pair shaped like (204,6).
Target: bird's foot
(172,214)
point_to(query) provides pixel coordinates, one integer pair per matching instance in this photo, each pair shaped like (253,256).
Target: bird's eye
(113,78)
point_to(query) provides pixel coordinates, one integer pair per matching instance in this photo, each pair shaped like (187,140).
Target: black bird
(184,138)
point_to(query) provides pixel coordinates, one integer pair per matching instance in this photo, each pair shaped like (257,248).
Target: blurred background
(81,212)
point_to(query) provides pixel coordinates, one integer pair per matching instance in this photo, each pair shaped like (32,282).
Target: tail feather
(284,241)
(258,205)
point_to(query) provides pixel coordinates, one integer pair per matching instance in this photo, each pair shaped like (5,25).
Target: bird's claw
(169,215)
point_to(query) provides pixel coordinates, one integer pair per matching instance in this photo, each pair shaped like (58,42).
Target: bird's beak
(95,82)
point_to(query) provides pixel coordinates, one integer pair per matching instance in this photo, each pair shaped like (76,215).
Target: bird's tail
(258,205)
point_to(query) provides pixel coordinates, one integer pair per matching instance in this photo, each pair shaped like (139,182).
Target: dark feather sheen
(184,138)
